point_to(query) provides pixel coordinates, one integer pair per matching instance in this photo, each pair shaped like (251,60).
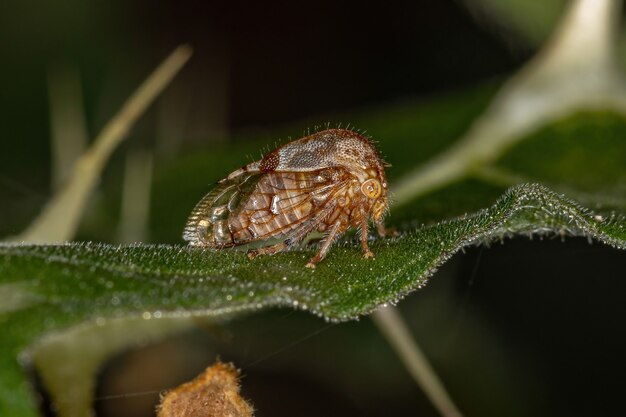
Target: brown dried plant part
(214,393)
(328,182)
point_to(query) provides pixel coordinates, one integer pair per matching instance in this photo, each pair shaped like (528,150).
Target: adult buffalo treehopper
(328,182)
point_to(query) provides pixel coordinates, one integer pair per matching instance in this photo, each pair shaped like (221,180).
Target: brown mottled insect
(329,181)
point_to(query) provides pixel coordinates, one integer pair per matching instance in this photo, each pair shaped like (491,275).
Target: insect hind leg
(297,235)
(268,250)
(326,243)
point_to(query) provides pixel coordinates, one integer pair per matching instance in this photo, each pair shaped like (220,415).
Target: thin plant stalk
(68,129)
(392,326)
(135,209)
(60,218)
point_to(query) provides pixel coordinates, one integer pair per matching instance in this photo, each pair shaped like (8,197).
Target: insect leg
(308,226)
(269,250)
(384,232)
(294,237)
(380,228)
(367,253)
(326,242)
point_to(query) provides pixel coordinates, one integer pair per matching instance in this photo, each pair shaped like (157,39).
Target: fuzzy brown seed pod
(214,393)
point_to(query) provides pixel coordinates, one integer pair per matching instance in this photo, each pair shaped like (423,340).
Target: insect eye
(371,188)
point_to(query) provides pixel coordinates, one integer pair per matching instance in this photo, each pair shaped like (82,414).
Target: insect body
(329,181)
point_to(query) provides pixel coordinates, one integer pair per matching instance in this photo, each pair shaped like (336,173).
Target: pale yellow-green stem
(61,216)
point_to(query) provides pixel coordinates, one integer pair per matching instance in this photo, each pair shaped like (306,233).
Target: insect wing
(208,223)
(280,203)
(259,206)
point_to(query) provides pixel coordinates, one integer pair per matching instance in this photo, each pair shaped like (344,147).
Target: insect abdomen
(208,224)
(250,207)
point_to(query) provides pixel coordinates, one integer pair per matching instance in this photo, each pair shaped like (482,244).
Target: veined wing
(208,223)
(256,206)
(283,201)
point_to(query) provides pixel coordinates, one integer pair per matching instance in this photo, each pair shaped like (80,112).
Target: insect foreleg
(384,232)
(367,253)
(380,228)
(326,242)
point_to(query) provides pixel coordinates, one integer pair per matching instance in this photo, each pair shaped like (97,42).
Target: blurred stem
(392,326)
(67,121)
(575,70)
(135,210)
(61,216)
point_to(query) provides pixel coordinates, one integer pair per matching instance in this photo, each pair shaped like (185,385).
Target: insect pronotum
(328,182)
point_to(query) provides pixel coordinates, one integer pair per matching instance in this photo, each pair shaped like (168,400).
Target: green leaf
(48,288)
